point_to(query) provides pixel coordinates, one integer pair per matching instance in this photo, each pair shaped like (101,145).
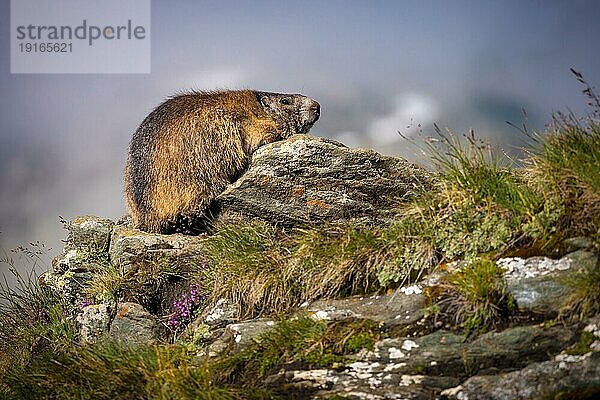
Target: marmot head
(293,113)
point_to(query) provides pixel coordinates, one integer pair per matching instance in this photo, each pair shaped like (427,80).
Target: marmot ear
(263,99)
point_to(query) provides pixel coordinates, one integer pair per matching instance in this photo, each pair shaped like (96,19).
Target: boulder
(129,247)
(94,322)
(399,308)
(132,324)
(127,323)
(564,377)
(539,284)
(89,233)
(307,179)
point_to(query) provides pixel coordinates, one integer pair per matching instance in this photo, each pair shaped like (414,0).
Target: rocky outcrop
(308,179)
(426,366)
(565,376)
(422,367)
(415,360)
(96,246)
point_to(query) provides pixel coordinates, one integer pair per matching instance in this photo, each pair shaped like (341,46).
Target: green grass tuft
(473,167)
(571,150)
(474,297)
(583,345)
(32,320)
(585,300)
(567,166)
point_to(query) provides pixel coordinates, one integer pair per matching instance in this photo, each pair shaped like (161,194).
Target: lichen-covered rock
(220,314)
(89,233)
(234,337)
(85,251)
(244,333)
(361,381)
(564,377)
(74,260)
(402,307)
(309,179)
(443,353)
(68,285)
(132,324)
(94,322)
(131,246)
(419,367)
(538,284)
(86,246)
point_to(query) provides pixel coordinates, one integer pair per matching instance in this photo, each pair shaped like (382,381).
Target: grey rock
(89,233)
(84,253)
(68,285)
(244,333)
(86,246)
(132,324)
(235,337)
(220,314)
(94,322)
(308,179)
(419,367)
(579,243)
(538,284)
(402,307)
(129,247)
(214,324)
(214,349)
(565,376)
(75,260)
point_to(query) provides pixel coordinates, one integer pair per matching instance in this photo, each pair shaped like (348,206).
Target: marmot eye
(285,101)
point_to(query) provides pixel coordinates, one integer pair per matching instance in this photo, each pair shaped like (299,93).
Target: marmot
(186,151)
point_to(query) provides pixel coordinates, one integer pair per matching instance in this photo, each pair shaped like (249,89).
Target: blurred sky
(374,66)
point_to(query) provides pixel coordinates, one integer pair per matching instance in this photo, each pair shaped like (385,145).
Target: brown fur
(186,151)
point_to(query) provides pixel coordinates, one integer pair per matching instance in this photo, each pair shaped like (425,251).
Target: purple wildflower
(184,308)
